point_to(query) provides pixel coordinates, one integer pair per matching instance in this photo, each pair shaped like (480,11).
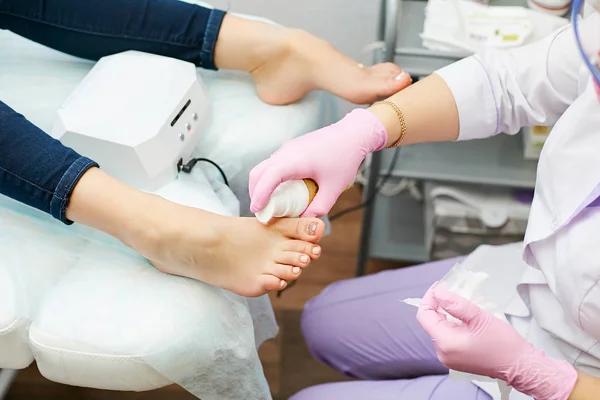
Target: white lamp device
(138,115)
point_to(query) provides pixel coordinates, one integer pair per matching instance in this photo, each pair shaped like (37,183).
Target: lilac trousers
(361,328)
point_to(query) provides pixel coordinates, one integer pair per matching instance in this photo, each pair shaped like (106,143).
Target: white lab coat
(556,304)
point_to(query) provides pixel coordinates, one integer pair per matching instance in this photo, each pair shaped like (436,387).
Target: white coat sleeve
(500,91)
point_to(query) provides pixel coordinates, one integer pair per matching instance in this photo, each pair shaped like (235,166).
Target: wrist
(389,120)
(585,387)
(372,134)
(542,377)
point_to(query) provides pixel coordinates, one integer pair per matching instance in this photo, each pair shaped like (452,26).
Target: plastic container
(534,138)
(289,199)
(460,218)
(557,8)
(498,27)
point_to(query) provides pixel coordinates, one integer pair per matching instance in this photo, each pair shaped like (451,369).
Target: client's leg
(285,63)
(425,388)
(237,254)
(361,328)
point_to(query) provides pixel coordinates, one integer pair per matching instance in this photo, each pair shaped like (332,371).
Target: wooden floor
(287,363)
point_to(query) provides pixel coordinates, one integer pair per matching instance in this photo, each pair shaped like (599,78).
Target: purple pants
(361,328)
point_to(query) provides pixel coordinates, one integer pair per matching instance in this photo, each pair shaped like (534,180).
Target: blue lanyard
(575,19)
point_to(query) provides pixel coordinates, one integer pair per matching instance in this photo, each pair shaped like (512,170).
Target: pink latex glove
(330,156)
(485,345)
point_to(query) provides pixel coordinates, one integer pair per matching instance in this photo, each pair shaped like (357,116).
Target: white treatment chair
(94,324)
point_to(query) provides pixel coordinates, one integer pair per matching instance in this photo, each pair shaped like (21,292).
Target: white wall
(349,25)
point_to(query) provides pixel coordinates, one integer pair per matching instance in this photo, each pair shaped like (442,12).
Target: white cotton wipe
(466,283)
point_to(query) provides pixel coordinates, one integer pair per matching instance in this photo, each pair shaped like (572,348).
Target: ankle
(146,231)
(245,45)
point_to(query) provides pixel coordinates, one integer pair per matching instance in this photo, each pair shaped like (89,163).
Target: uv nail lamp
(138,115)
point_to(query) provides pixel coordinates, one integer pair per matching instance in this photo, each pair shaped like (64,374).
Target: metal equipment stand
(388,23)
(393,227)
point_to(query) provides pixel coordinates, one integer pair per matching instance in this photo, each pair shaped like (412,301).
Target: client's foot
(240,254)
(286,64)
(305,63)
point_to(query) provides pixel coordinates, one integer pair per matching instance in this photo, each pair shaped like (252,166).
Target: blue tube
(575,9)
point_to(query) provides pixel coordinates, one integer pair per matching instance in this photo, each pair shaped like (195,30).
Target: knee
(324,325)
(301,395)
(310,393)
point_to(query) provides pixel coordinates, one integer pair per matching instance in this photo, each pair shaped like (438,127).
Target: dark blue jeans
(38,170)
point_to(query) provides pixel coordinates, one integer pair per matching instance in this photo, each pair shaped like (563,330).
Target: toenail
(311,229)
(304,258)
(316,251)
(361,66)
(296,270)
(401,76)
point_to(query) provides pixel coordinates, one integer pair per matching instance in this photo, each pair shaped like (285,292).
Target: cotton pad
(466,283)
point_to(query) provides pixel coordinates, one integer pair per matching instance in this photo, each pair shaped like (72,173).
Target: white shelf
(398,229)
(410,53)
(495,161)
(395,226)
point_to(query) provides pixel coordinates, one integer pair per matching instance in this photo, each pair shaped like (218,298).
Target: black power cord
(370,200)
(187,168)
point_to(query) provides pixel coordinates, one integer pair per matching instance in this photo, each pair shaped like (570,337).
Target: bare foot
(237,254)
(286,64)
(307,63)
(240,254)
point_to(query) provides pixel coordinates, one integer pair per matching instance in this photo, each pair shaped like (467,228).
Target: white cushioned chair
(107,323)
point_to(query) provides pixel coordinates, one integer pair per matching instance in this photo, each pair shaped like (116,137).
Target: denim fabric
(36,169)
(92,29)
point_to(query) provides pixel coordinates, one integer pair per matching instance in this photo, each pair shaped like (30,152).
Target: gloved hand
(330,156)
(485,345)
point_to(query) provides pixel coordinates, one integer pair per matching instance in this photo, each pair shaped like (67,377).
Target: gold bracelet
(400,116)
